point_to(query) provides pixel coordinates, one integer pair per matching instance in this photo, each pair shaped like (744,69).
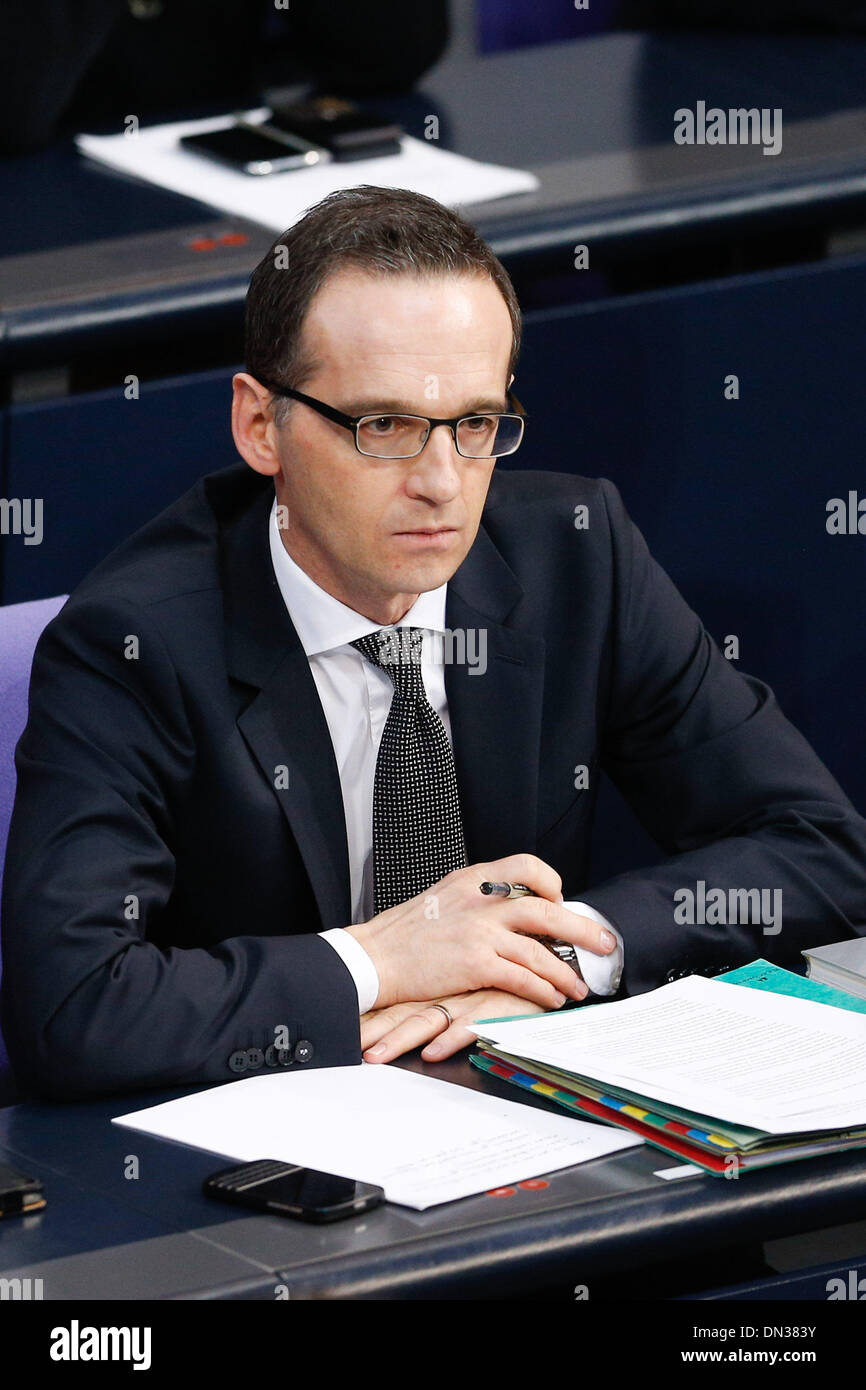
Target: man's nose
(436,467)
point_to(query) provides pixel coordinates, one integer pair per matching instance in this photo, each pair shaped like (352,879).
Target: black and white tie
(417,830)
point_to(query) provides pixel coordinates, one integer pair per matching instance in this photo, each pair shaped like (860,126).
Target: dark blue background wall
(518,23)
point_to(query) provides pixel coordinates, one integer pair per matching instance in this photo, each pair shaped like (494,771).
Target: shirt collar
(321,621)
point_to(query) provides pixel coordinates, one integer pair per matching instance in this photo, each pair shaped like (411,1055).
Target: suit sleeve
(90,1003)
(367,48)
(45,52)
(725,784)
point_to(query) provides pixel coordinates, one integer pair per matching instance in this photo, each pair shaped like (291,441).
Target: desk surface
(102,1235)
(600,140)
(601,96)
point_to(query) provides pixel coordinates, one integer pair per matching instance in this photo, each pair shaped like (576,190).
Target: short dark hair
(384,231)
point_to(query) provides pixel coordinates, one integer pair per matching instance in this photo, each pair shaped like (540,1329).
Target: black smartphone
(345,130)
(19,1193)
(256,149)
(288,1190)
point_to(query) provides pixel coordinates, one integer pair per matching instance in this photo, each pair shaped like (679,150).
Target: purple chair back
(20,626)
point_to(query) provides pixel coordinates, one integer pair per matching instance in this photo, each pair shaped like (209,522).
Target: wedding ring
(445,1012)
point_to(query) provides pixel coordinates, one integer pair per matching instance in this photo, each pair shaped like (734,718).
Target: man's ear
(253,427)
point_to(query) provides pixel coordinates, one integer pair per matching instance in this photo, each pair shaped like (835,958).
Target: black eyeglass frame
(351,422)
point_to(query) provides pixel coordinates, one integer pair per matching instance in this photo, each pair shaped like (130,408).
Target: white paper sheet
(762,1060)
(279,200)
(424,1141)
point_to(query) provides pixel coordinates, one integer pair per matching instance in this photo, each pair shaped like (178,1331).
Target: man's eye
(479,424)
(382,424)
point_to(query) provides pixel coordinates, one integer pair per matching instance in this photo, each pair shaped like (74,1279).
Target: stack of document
(727,1076)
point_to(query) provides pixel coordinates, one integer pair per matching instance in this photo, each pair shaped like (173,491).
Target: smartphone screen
(253,151)
(313,1190)
(307,1193)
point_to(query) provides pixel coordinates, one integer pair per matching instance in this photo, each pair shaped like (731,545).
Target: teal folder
(760,974)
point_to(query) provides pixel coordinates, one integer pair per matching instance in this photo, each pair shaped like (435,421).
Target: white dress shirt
(356,697)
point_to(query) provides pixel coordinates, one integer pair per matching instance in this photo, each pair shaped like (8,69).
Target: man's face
(437,346)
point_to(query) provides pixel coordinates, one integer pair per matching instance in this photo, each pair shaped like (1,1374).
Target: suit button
(303,1050)
(270,1056)
(238,1061)
(284,1056)
(255,1057)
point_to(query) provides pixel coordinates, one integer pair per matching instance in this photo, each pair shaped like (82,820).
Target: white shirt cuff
(601,973)
(358,963)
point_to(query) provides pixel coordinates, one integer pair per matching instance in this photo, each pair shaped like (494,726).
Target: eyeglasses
(486,435)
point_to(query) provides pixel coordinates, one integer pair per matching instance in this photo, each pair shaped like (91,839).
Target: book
(841,964)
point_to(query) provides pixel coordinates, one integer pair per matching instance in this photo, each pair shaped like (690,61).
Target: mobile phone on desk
(256,148)
(345,130)
(19,1193)
(289,1190)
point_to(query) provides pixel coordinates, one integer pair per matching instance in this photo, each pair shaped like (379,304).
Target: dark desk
(593,119)
(104,1236)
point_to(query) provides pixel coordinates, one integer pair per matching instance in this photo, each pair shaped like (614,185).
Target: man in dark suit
(243,819)
(70,65)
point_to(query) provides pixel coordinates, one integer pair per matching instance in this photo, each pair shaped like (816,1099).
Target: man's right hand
(452,938)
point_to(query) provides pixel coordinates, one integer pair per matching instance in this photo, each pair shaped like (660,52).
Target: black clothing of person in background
(69,65)
(782,16)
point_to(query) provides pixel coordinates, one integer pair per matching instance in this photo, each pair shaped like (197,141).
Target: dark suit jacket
(67,65)
(163,887)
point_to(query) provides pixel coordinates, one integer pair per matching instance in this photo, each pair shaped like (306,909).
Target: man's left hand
(388,1033)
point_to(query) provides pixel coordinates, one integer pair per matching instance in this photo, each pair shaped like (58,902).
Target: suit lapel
(495,713)
(284,724)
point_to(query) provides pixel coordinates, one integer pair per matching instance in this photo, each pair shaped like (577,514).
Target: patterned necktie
(417,831)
